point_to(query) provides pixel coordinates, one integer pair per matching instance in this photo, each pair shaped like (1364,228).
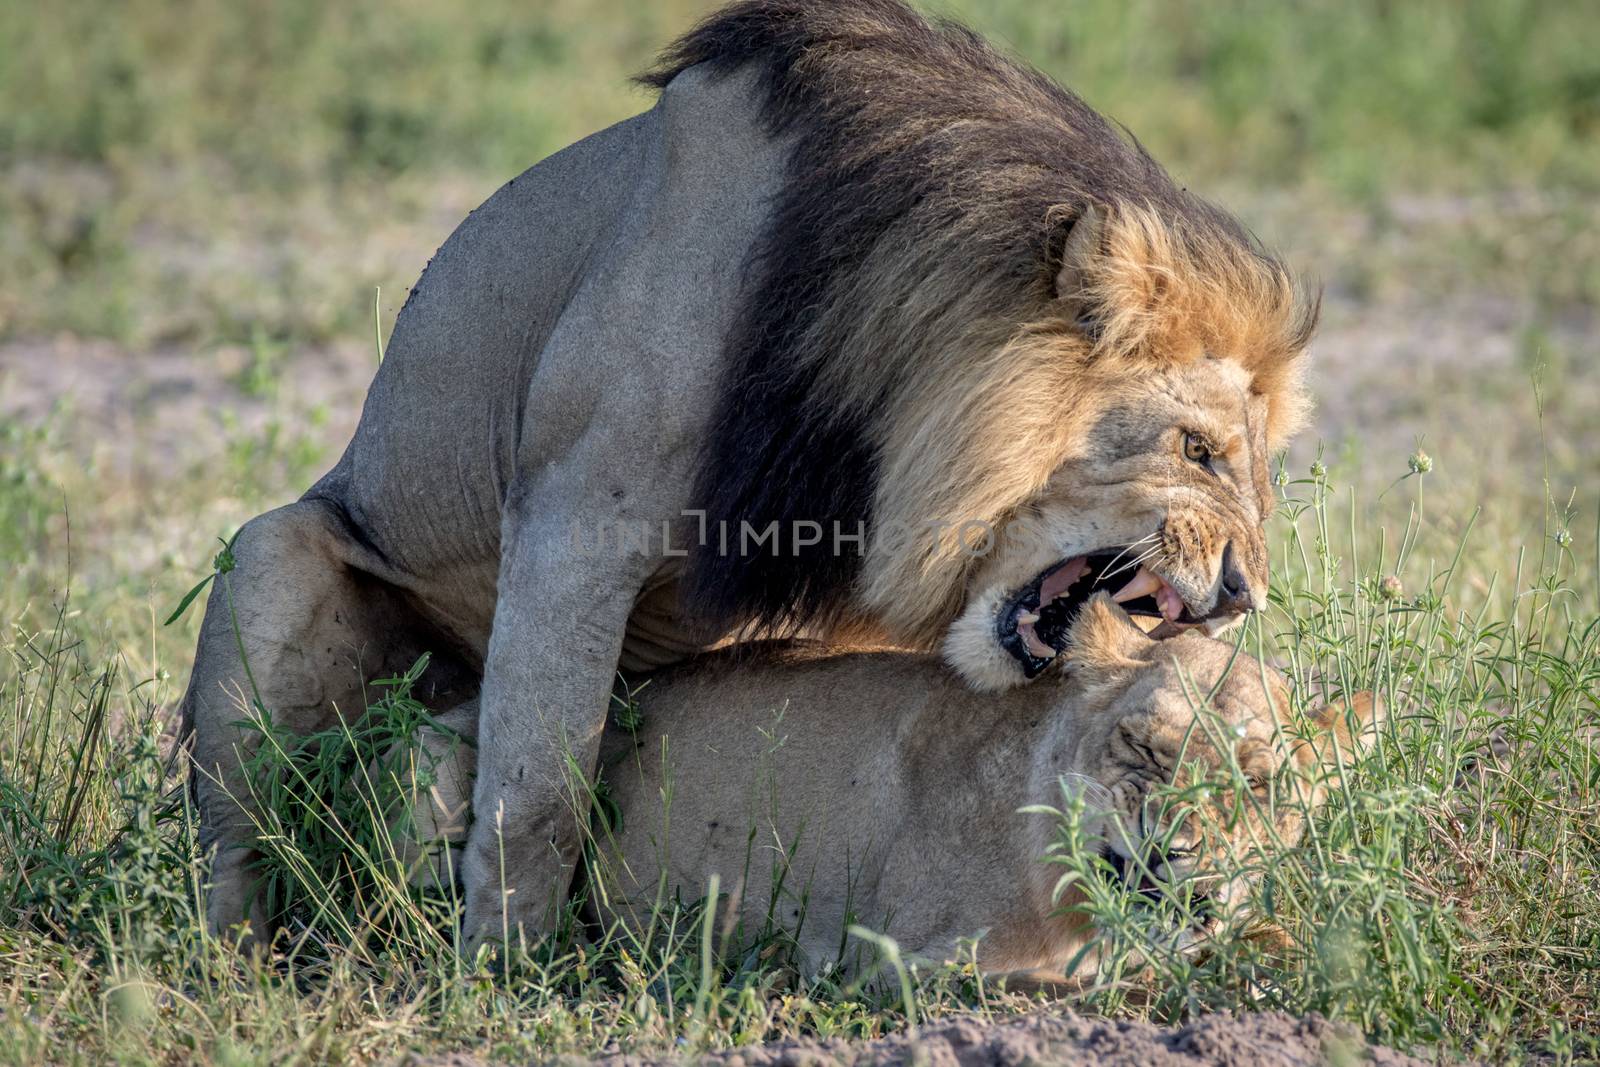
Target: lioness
(862,325)
(825,788)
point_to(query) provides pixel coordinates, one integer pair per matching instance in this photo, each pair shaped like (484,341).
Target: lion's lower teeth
(1030,640)
(1148,583)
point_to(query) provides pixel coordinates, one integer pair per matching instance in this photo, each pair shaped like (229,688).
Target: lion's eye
(1196,450)
(1142,750)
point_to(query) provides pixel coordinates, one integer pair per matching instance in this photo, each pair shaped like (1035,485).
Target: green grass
(1345,91)
(1447,900)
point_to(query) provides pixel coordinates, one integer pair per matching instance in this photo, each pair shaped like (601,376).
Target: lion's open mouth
(1033,624)
(1149,892)
(1132,875)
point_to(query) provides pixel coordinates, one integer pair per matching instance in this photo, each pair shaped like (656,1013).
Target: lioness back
(822,787)
(827,789)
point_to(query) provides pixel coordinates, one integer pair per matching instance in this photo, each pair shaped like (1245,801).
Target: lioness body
(787,294)
(827,788)
(870,787)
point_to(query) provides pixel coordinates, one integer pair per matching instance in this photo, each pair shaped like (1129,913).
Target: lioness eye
(1196,449)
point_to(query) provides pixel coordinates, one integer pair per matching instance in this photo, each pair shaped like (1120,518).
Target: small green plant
(28,500)
(336,808)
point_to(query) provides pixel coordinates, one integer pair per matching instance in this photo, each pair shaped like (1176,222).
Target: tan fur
(1124,479)
(1004,267)
(825,788)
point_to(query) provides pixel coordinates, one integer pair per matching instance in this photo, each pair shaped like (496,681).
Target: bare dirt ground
(161,406)
(1267,1040)
(1384,375)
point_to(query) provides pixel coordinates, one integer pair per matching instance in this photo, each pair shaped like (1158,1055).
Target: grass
(1447,896)
(1448,899)
(225,186)
(1435,88)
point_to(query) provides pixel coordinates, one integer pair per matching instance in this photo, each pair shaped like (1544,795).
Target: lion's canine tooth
(1143,584)
(1027,618)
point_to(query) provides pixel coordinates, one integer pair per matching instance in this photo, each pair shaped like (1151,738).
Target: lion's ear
(1347,727)
(1104,638)
(1084,243)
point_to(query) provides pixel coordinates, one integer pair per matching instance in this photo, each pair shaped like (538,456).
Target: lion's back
(460,404)
(437,426)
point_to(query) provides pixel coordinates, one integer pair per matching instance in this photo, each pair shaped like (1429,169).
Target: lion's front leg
(563,607)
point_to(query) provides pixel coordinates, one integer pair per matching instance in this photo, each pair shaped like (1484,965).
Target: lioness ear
(1085,241)
(1346,728)
(1104,638)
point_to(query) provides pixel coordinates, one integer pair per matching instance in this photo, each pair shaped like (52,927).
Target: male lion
(828,787)
(862,324)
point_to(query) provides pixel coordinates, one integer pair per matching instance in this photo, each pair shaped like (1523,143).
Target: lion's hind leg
(313,625)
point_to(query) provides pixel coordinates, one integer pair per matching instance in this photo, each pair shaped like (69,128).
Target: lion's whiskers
(1110,567)
(1132,564)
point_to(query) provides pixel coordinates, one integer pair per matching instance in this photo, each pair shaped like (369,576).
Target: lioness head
(1168,732)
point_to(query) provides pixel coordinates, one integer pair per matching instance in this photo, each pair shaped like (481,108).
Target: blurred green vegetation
(1464,93)
(1361,95)
(196,170)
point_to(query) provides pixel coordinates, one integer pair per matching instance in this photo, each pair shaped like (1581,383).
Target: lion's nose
(1236,596)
